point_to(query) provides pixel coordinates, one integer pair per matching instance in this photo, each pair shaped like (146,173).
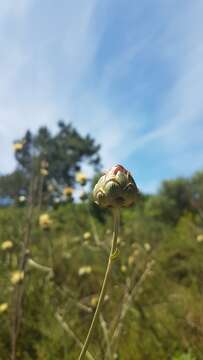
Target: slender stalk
(106,337)
(112,256)
(35,265)
(40,194)
(127,300)
(92,224)
(67,328)
(17,300)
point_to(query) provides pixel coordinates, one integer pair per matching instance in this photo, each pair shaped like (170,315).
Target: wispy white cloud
(176,128)
(110,128)
(50,70)
(28,97)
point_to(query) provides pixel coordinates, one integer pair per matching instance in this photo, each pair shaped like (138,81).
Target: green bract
(116,188)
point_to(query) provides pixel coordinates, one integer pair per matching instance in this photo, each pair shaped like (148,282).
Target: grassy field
(153,307)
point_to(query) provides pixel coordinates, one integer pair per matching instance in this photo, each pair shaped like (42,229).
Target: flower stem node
(115,255)
(115,189)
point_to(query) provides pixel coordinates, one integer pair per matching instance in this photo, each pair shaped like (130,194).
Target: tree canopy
(64,152)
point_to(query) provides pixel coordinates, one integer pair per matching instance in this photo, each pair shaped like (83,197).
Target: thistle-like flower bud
(116,188)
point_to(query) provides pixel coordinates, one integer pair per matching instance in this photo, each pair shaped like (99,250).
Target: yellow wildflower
(44,172)
(123,268)
(115,356)
(119,240)
(18,146)
(147,247)
(3,307)
(45,221)
(16,277)
(94,301)
(22,198)
(6,245)
(106,297)
(81,178)
(131,260)
(87,235)
(199,238)
(50,188)
(68,191)
(84,270)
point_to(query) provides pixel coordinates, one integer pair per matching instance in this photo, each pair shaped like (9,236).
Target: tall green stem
(113,251)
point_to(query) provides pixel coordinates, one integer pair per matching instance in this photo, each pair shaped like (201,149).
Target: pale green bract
(116,188)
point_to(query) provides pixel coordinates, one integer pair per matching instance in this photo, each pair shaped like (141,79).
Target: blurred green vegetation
(162,311)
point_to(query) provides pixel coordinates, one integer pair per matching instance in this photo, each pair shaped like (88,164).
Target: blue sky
(128,72)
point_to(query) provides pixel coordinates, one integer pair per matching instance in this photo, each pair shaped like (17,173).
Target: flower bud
(116,188)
